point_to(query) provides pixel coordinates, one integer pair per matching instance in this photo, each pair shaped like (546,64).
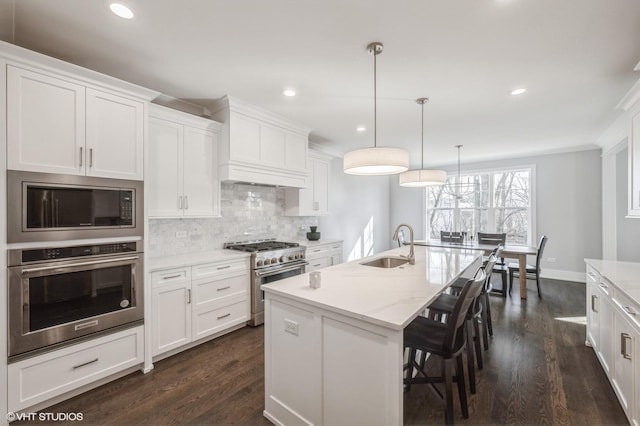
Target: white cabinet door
(201,186)
(45,123)
(164,168)
(321,186)
(634,161)
(606,333)
(171,316)
(313,200)
(624,340)
(115,136)
(636,354)
(593,317)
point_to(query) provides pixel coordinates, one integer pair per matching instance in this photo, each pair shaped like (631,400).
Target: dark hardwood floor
(537,371)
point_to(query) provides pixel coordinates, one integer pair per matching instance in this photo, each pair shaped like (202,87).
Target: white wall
(359,207)
(568,207)
(627,229)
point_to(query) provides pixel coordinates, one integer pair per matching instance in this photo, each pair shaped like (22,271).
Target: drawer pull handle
(224,316)
(317,250)
(603,285)
(223,288)
(170,277)
(624,337)
(188,296)
(224,267)
(85,363)
(630,311)
(594,299)
(317,264)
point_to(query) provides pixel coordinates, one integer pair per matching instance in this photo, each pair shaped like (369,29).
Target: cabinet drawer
(315,252)
(170,276)
(629,308)
(220,268)
(592,275)
(40,378)
(209,291)
(211,321)
(318,263)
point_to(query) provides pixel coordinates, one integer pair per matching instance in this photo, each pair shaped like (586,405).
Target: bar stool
(444,305)
(446,340)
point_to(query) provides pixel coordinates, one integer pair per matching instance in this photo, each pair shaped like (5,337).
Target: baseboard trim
(559,274)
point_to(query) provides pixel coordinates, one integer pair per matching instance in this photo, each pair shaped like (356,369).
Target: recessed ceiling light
(121,10)
(360,129)
(516,92)
(289,92)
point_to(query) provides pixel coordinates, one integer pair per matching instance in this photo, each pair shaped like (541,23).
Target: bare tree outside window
(486,202)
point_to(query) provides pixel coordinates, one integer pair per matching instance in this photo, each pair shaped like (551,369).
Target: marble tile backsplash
(249,212)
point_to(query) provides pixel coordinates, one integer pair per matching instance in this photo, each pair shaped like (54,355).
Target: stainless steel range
(271,261)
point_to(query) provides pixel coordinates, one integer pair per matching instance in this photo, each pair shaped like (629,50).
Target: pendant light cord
(375,105)
(422,138)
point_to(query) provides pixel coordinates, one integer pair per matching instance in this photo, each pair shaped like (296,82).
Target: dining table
(509,251)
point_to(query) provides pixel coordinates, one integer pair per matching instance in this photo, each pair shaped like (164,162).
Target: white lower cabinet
(40,378)
(624,338)
(613,330)
(322,255)
(194,302)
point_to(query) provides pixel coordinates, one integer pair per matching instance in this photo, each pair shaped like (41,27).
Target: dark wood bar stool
(532,272)
(446,340)
(475,317)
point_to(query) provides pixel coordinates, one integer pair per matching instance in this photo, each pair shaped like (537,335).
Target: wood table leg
(522,263)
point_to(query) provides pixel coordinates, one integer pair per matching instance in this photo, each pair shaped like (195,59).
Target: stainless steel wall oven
(63,293)
(52,207)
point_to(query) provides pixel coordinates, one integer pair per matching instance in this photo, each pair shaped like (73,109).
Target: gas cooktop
(260,246)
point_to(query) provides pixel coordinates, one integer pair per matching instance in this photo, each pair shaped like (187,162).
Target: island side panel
(336,370)
(362,373)
(292,363)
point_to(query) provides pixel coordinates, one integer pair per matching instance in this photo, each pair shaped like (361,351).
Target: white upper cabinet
(631,104)
(259,147)
(60,124)
(182,178)
(45,123)
(115,136)
(314,199)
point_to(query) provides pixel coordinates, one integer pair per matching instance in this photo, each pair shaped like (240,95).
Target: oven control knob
(267,261)
(301,255)
(259,263)
(283,258)
(274,260)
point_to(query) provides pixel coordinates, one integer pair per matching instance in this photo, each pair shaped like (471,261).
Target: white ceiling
(575,57)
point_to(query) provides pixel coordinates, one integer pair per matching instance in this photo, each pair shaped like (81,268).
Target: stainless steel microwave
(51,207)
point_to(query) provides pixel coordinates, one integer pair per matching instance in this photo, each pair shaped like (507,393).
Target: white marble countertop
(192,259)
(390,298)
(624,275)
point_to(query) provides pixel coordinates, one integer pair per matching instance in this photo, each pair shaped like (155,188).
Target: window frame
(531,233)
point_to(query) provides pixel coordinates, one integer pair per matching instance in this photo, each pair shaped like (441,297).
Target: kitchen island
(334,355)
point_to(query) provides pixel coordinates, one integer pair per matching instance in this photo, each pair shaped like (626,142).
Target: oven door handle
(95,262)
(280,271)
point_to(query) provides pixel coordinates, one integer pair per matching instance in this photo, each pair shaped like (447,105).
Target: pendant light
(422,177)
(376,160)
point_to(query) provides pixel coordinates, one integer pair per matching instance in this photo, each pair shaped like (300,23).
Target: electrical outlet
(181,234)
(551,259)
(291,327)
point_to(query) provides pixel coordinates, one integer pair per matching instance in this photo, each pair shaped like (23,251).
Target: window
(491,201)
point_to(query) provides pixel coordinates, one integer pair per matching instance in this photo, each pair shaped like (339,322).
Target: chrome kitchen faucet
(411,257)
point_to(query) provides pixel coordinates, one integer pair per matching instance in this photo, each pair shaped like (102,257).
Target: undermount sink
(386,262)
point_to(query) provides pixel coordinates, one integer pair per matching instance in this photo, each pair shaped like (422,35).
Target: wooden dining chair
(496,239)
(532,272)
